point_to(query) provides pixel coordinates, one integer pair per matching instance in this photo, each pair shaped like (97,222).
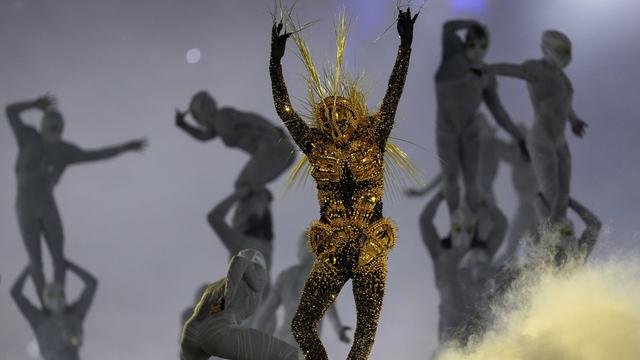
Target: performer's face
(556,48)
(476,47)
(203,108)
(51,126)
(53,297)
(337,119)
(463,228)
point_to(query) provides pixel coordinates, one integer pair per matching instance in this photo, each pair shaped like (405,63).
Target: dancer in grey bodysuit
(58,326)
(42,158)
(551,94)
(491,151)
(463,266)
(214,327)
(270,149)
(286,293)
(461,87)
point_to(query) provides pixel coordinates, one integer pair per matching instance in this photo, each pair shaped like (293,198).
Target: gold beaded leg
(368,291)
(320,291)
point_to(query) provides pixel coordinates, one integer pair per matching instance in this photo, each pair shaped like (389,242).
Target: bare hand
(579,128)
(405,26)
(136,145)
(278,41)
(343,334)
(45,102)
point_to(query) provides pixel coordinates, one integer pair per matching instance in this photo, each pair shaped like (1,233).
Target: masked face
(476,49)
(203,108)
(476,43)
(463,228)
(51,126)
(556,48)
(337,119)
(53,297)
(566,235)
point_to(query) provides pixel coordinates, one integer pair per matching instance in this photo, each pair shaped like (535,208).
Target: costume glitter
(345,151)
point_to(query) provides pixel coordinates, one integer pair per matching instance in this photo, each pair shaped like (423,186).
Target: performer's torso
(350,179)
(59,337)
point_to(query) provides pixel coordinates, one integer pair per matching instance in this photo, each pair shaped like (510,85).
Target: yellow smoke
(585,313)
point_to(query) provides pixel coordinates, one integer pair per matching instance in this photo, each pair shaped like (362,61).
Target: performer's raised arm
(78,155)
(13,111)
(81,306)
(385,117)
(196,132)
(589,236)
(30,312)
(299,130)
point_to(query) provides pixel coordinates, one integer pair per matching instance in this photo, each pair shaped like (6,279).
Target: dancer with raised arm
(551,94)
(462,85)
(42,158)
(270,150)
(57,326)
(345,151)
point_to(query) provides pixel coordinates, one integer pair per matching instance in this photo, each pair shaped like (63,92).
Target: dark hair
(477,32)
(260,226)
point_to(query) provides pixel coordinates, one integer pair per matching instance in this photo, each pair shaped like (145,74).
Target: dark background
(138,222)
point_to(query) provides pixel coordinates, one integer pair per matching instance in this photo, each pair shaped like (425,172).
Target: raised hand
(278,40)
(579,128)
(405,26)
(180,115)
(45,102)
(136,145)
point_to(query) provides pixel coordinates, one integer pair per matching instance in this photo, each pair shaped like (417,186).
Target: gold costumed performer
(345,151)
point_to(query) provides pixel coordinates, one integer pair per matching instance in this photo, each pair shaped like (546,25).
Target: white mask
(556,48)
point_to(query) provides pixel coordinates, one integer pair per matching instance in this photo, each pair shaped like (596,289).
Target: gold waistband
(377,237)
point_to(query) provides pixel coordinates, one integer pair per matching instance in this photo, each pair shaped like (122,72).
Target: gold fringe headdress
(342,90)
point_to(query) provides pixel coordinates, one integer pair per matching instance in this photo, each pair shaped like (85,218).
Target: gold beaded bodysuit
(345,151)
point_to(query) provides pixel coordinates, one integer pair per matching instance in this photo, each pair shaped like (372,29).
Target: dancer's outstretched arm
(77,155)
